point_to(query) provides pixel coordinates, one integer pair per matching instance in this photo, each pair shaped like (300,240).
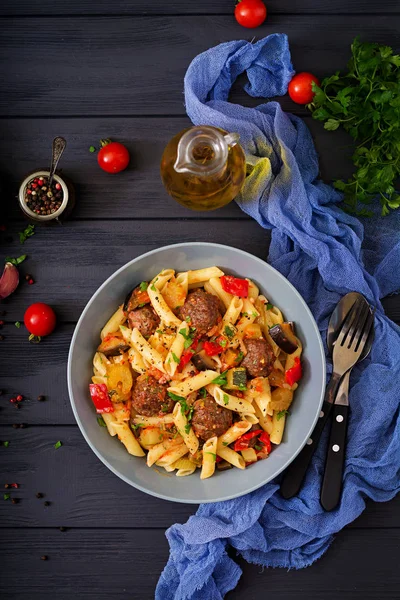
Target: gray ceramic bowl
(226,484)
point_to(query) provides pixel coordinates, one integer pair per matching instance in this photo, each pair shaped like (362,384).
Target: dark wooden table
(87,70)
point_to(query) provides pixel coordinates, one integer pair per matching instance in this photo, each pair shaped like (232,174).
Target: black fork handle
(294,474)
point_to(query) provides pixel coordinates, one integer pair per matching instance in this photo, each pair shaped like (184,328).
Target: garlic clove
(9,280)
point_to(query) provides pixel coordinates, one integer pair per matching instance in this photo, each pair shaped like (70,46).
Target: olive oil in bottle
(203,167)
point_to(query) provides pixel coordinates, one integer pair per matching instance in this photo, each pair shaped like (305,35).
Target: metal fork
(348,347)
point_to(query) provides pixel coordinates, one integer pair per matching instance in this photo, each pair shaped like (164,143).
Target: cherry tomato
(40,319)
(250,13)
(113,157)
(300,89)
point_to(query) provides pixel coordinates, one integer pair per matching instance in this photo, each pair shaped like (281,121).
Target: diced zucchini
(236,379)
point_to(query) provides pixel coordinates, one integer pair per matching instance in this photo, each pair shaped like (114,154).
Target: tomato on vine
(113,157)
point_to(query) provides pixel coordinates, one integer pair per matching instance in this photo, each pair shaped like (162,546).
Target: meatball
(145,319)
(149,397)
(260,358)
(203,310)
(209,418)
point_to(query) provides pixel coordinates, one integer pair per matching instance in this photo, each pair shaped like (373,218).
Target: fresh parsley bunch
(365,101)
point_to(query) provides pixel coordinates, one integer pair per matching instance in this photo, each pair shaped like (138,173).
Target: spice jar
(44,205)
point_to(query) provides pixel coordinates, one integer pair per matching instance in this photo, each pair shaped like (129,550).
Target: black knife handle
(333,477)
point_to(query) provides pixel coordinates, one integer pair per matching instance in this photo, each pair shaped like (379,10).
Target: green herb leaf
(245,314)
(6,444)
(221,379)
(281,414)
(225,444)
(92,149)
(165,408)
(229,332)
(176,359)
(58,444)
(160,331)
(212,454)
(101,422)
(141,305)
(6,496)
(190,415)
(225,399)
(16,261)
(269,306)
(153,287)
(203,392)
(181,400)
(17,324)
(34,338)
(239,357)
(135,426)
(27,232)
(242,387)
(143,286)
(257,447)
(187,428)
(223,343)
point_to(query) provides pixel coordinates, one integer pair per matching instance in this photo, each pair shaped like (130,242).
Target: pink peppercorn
(58,186)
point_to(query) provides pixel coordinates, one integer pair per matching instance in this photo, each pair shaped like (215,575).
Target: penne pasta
(113,323)
(196,382)
(161,279)
(136,361)
(153,421)
(125,435)
(202,275)
(249,417)
(253,290)
(100,362)
(278,427)
(215,285)
(265,422)
(149,436)
(230,402)
(148,354)
(161,307)
(172,455)
(230,456)
(232,312)
(259,391)
(99,380)
(184,467)
(209,457)
(109,420)
(156,452)
(234,432)
(185,430)
(249,314)
(174,355)
(249,455)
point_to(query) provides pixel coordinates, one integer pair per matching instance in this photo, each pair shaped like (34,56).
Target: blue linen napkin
(325,253)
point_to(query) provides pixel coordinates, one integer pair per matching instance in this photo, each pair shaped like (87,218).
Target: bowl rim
(106,462)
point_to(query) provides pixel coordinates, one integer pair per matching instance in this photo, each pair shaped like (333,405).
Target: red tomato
(113,157)
(40,319)
(250,13)
(300,89)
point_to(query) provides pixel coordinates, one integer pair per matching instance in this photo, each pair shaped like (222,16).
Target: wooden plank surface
(32,461)
(183,7)
(76,73)
(125,563)
(87,252)
(138,192)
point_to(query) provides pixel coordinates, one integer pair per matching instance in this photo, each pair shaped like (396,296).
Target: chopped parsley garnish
(6,444)
(136,426)
(17,324)
(101,422)
(27,232)
(160,331)
(190,415)
(245,314)
(223,343)
(242,387)
(153,287)
(226,399)
(165,408)
(15,261)
(229,332)
(187,319)
(270,306)
(176,359)
(239,356)
(257,447)
(203,392)
(58,444)
(221,379)
(212,454)
(187,428)
(225,444)
(281,414)
(187,343)
(142,304)
(188,338)
(254,314)
(181,400)
(143,286)
(92,149)
(6,496)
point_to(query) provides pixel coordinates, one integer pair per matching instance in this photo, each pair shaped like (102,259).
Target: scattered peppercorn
(13,400)
(41,398)
(14,485)
(47,503)
(22,425)
(6,485)
(1,322)
(19,397)
(31,281)
(28,277)
(15,425)
(63,529)
(14,500)
(17,406)
(39,495)
(44,557)
(1,338)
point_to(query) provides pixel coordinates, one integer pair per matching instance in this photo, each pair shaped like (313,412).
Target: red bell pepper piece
(218,459)
(235,286)
(243,442)
(100,397)
(265,440)
(188,353)
(212,348)
(295,373)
